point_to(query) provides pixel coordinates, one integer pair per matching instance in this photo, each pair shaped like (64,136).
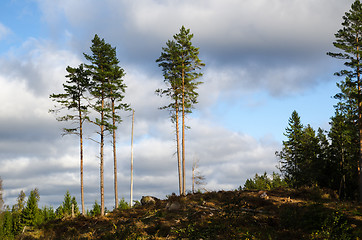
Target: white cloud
(257,43)
(4,31)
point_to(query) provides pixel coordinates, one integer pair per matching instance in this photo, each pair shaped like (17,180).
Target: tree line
(26,213)
(332,159)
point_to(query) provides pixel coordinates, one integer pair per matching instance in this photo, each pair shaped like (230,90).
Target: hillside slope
(279,214)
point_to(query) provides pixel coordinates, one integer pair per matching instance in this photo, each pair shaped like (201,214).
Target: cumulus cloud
(263,43)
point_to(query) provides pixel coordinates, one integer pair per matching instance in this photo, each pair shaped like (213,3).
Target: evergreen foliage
(264,182)
(123,204)
(48,214)
(348,40)
(30,216)
(16,213)
(74,98)
(316,159)
(65,210)
(7,231)
(96,211)
(335,227)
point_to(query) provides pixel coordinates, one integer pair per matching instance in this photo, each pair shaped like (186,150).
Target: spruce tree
(17,211)
(323,164)
(7,230)
(31,212)
(291,156)
(349,41)
(181,65)
(67,204)
(310,148)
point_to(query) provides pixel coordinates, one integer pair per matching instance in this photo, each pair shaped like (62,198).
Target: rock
(173,206)
(148,200)
(263,195)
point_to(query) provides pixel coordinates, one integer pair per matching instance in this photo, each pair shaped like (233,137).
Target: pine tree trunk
(131,190)
(360,142)
(178,149)
(101,156)
(81,158)
(183,133)
(114,156)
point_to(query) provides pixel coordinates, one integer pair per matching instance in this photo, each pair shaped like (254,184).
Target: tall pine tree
(348,40)
(167,61)
(107,89)
(74,100)
(116,90)
(102,59)
(181,65)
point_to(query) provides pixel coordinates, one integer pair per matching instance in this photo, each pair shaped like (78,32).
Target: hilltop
(306,213)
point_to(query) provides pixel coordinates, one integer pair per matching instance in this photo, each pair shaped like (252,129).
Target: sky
(263,60)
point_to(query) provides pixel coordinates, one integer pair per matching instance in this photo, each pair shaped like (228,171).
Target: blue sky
(263,59)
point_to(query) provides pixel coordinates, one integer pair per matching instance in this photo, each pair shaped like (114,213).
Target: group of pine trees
(332,160)
(94,93)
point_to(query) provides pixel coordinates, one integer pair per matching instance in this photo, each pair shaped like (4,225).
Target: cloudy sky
(264,59)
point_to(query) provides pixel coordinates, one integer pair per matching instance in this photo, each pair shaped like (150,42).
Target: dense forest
(327,160)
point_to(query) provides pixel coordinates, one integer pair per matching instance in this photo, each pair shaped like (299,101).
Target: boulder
(173,206)
(148,200)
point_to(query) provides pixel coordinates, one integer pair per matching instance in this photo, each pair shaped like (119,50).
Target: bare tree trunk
(81,157)
(101,156)
(131,190)
(183,133)
(114,157)
(178,149)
